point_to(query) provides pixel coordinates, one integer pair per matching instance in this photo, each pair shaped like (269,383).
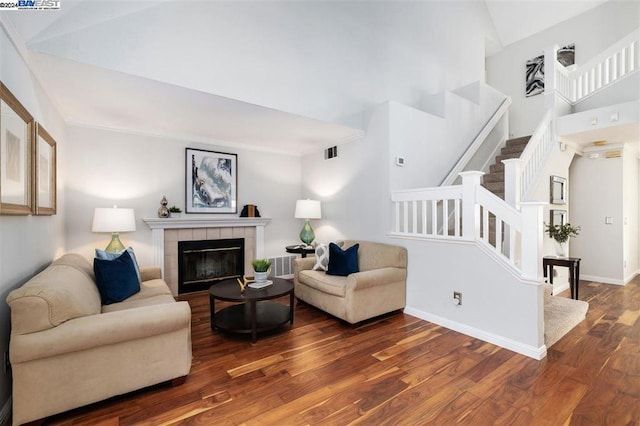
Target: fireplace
(203,263)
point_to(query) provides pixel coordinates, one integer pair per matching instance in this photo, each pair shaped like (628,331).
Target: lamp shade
(308,209)
(113,220)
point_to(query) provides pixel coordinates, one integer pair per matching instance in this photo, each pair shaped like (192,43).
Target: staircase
(494,181)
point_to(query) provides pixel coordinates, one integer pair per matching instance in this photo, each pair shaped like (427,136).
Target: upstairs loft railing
(618,61)
(469,212)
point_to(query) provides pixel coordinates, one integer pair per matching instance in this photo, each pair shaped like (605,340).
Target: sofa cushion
(138,303)
(59,293)
(342,262)
(373,255)
(116,279)
(331,284)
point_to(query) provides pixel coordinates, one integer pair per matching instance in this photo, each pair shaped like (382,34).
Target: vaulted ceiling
(160,66)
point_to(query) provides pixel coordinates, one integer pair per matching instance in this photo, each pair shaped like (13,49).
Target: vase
(561,249)
(261,276)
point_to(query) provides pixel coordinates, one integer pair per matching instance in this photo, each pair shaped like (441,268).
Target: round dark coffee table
(254,312)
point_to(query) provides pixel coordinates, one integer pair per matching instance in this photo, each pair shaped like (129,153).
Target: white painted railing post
(550,55)
(512,179)
(532,232)
(470,207)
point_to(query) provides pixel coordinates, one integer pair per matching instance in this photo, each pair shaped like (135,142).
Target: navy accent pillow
(116,279)
(343,262)
(104,255)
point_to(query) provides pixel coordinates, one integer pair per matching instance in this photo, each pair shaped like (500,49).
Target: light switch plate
(608,220)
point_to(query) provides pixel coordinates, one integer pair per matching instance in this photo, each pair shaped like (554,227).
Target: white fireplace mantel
(158,226)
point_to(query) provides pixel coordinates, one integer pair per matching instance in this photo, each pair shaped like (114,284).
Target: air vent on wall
(330,153)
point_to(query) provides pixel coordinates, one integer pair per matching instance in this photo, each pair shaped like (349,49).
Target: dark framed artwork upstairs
(211,181)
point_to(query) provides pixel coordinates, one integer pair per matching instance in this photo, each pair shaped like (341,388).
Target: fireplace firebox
(203,263)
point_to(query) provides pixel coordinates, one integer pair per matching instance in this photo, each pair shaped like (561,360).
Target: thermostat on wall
(400,161)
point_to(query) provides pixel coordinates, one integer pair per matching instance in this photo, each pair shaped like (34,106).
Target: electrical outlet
(457,298)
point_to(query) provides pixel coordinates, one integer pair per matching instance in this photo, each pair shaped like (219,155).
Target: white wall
(496,307)
(106,167)
(29,243)
(592,32)
(326,60)
(631,213)
(557,165)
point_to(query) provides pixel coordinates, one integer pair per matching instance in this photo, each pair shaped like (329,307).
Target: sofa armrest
(100,330)
(148,273)
(375,277)
(302,264)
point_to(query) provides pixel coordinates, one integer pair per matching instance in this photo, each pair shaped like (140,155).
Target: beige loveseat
(67,350)
(379,287)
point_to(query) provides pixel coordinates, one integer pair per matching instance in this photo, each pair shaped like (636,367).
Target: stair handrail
(535,154)
(617,61)
(477,142)
(417,214)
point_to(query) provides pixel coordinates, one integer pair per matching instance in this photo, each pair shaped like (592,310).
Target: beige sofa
(67,350)
(379,287)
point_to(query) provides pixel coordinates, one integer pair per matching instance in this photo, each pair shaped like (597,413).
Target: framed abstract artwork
(211,181)
(16,155)
(44,160)
(534,76)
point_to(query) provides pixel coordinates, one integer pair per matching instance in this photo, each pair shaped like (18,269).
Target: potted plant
(175,211)
(561,234)
(261,267)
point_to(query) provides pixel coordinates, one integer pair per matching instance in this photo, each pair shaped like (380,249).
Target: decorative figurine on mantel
(163,211)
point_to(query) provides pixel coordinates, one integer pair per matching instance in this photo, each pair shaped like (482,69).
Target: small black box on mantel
(250,210)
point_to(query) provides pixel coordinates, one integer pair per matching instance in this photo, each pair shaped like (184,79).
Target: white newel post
(512,189)
(550,55)
(532,233)
(470,207)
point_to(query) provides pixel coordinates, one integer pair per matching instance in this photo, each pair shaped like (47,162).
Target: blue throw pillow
(104,255)
(343,262)
(116,279)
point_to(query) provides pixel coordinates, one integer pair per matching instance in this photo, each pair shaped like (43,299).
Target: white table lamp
(114,220)
(307,209)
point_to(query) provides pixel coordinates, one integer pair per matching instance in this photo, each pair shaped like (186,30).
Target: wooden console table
(573,263)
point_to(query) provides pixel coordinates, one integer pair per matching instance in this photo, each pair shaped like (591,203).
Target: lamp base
(307,235)
(115,246)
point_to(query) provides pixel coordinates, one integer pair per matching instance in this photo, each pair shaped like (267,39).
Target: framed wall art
(211,181)
(557,217)
(558,190)
(534,76)
(44,160)
(16,159)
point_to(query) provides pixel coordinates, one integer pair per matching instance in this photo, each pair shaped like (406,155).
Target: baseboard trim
(503,342)
(603,280)
(559,288)
(6,412)
(630,277)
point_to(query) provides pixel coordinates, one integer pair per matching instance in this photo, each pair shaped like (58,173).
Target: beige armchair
(379,287)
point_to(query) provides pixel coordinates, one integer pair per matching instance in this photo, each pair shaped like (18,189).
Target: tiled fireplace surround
(167,232)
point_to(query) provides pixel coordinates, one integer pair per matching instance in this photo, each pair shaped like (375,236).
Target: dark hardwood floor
(397,370)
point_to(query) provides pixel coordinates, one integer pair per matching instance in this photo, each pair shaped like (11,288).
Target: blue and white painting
(211,182)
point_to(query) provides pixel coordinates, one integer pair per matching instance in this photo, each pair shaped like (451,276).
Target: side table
(573,263)
(300,250)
